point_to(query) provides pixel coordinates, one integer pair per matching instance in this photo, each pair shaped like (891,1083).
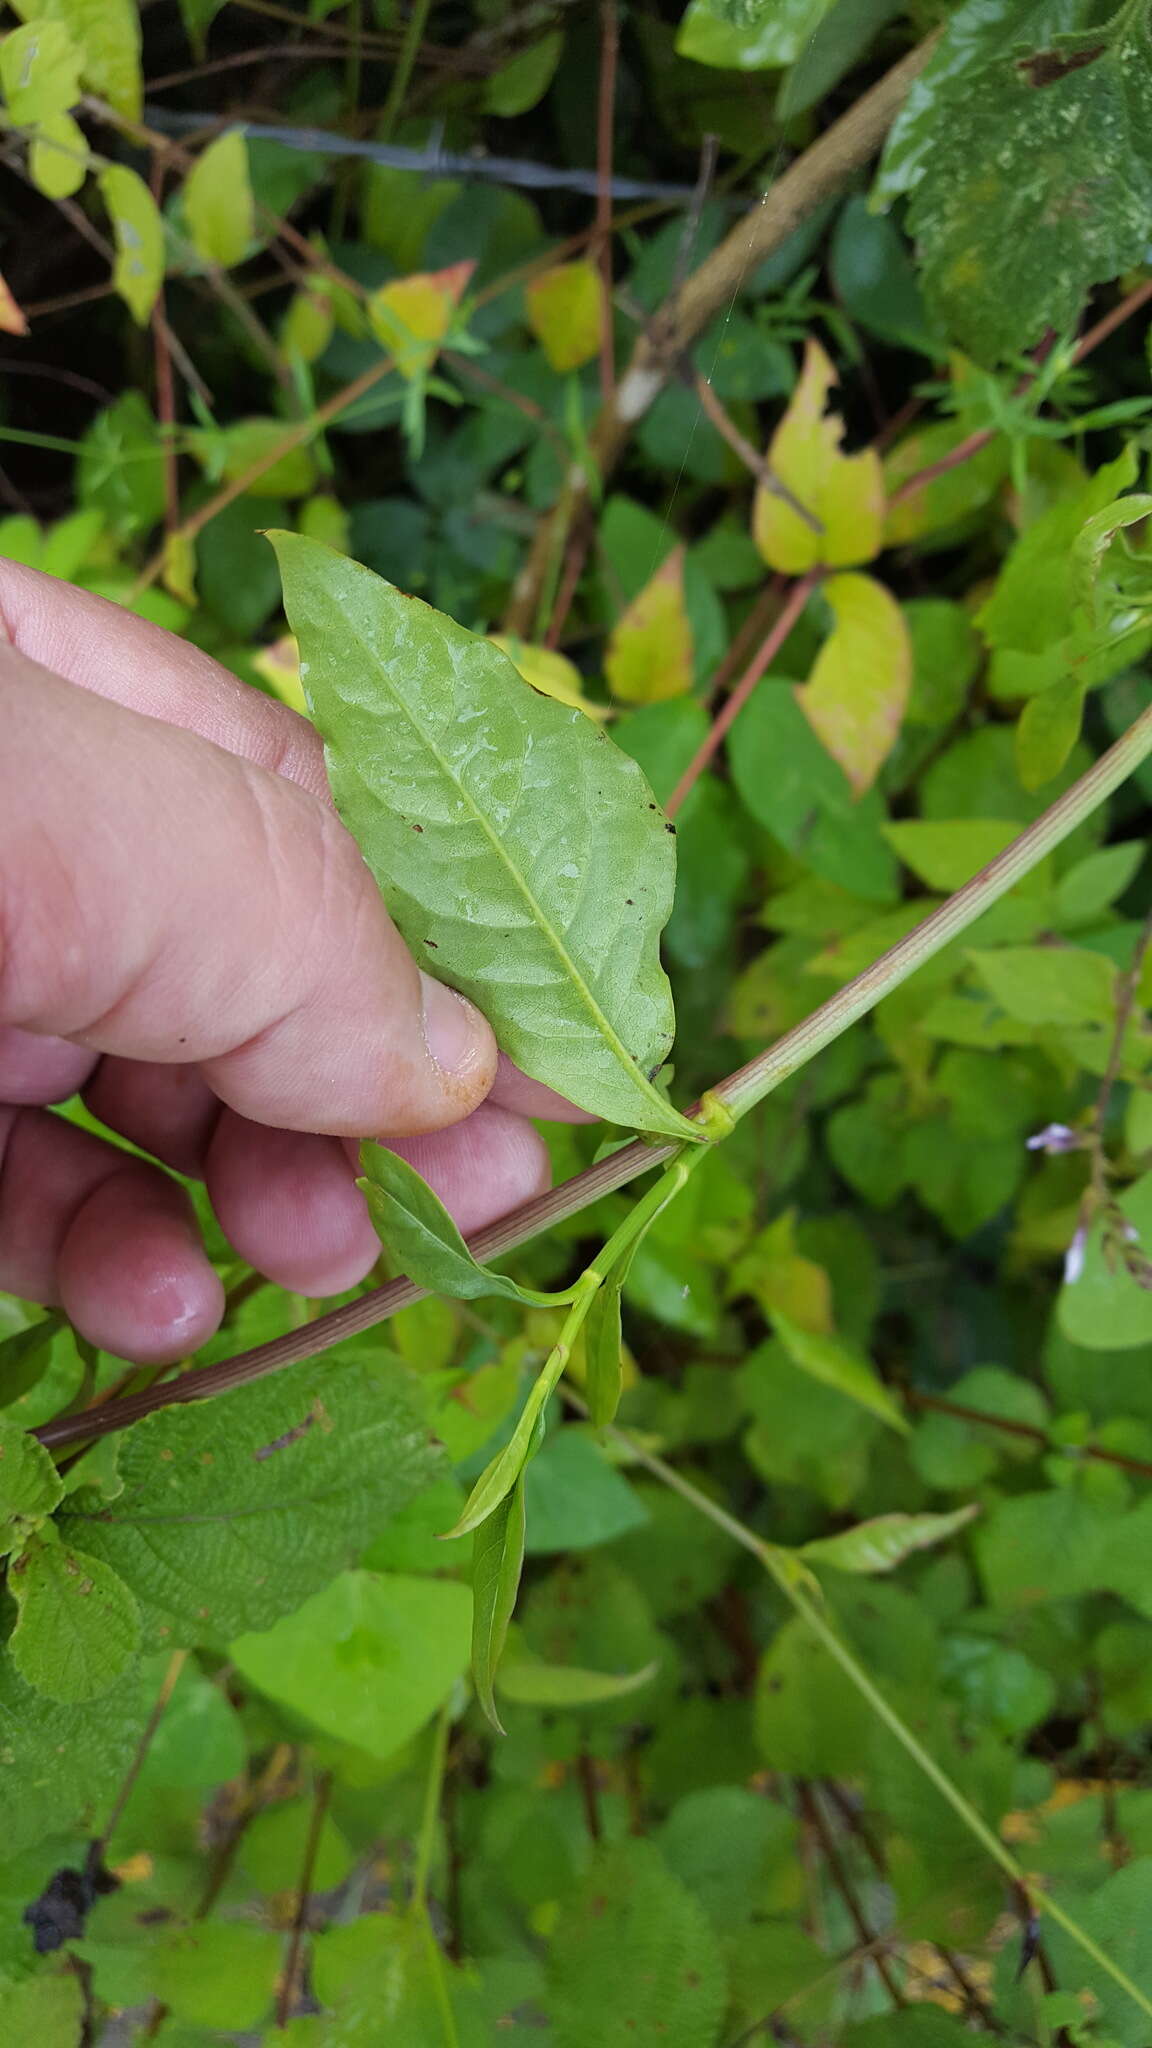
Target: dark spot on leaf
(629,901)
(433,944)
(417,828)
(59,1914)
(669,826)
(1048,67)
(290,1436)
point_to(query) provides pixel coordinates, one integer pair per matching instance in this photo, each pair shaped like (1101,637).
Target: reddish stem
(768,649)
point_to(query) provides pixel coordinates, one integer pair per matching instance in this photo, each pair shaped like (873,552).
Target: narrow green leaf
(198,16)
(826,1359)
(30,1486)
(522,855)
(78,1624)
(24,1357)
(885,1541)
(218,204)
(417,1229)
(500,1476)
(139,269)
(532,1683)
(497,1561)
(603,1348)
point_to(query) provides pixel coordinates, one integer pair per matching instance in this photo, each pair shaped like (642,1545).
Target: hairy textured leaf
(844,493)
(1035,188)
(78,1625)
(30,1486)
(519,852)
(60,1765)
(634,1958)
(566,312)
(139,269)
(497,1562)
(649,655)
(217,200)
(234,1512)
(369,1659)
(417,1229)
(884,1542)
(826,1359)
(856,695)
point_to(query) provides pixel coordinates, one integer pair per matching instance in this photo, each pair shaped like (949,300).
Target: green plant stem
(781,1570)
(405,65)
(425,1849)
(739,1093)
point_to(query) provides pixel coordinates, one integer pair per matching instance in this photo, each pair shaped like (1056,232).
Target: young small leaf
(497,1561)
(218,205)
(650,650)
(30,1486)
(529,1682)
(885,1541)
(857,693)
(838,1366)
(139,270)
(566,312)
(78,1625)
(603,1349)
(521,854)
(417,1229)
(501,1474)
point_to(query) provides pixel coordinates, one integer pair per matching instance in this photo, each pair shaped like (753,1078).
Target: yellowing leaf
(179,572)
(411,316)
(58,158)
(551,673)
(107,33)
(279,665)
(12,320)
(566,313)
(650,650)
(218,205)
(782,1280)
(845,493)
(857,692)
(139,270)
(39,72)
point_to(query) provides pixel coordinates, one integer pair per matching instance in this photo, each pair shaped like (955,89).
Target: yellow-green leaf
(836,1365)
(139,269)
(550,673)
(218,204)
(279,667)
(566,313)
(650,650)
(39,72)
(58,158)
(844,493)
(1048,730)
(107,33)
(885,1541)
(307,326)
(411,316)
(856,695)
(179,572)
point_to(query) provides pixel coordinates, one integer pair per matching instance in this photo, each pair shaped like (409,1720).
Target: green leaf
(47,2009)
(1106,1308)
(417,1229)
(30,1486)
(604,1349)
(1058,985)
(1119,1917)
(500,1475)
(520,84)
(856,695)
(748,35)
(1048,730)
(529,1682)
(452,773)
(217,201)
(565,311)
(1084,893)
(1093,544)
(650,656)
(139,231)
(220,1974)
(107,33)
(1034,188)
(946,853)
(835,1365)
(39,71)
(884,1542)
(227,454)
(791,785)
(368,1660)
(575,1497)
(198,16)
(61,1765)
(58,158)
(634,1959)
(231,1513)
(25,1357)
(78,1625)
(497,1561)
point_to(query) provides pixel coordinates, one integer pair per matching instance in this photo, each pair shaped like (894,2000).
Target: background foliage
(248,1794)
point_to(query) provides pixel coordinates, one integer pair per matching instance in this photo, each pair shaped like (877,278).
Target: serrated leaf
(884,1542)
(139,231)
(1048,730)
(519,851)
(566,312)
(857,693)
(58,158)
(837,1365)
(60,1765)
(497,1562)
(1037,184)
(30,1486)
(529,1682)
(369,1659)
(844,493)
(78,1624)
(233,1512)
(217,200)
(417,1229)
(411,316)
(39,71)
(634,1958)
(650,654)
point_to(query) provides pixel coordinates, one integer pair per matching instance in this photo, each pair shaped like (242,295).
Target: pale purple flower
(1053,1138)
(1074,1256)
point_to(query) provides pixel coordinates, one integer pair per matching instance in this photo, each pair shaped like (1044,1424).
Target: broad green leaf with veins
(521,854)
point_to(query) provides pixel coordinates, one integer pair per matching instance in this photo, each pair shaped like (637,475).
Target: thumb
(163,899)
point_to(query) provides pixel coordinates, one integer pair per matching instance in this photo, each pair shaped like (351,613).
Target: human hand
(189,937)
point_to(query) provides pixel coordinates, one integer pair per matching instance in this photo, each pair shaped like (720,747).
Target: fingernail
(450,1026)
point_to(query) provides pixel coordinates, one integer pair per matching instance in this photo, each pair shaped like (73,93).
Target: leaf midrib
(543,923)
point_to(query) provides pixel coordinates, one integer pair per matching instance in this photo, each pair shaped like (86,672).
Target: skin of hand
(191,940)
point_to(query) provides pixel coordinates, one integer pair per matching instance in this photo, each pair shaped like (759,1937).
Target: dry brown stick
(287,1992)
(823,170)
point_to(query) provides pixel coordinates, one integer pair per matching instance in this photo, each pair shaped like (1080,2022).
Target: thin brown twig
(1029,1431)
(834,1863)
(605,125)
(287,1992)
(757,464)
(769,647)
(175,1666)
